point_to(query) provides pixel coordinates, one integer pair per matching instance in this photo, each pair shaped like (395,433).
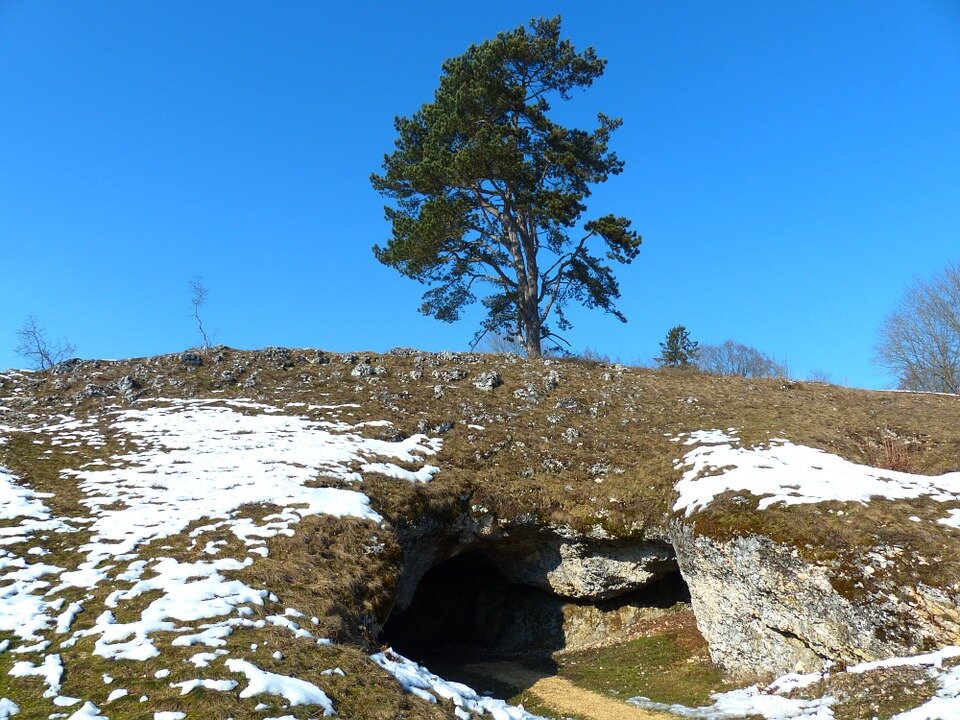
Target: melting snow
(770,703)
(748,702)
(794,474)
(424,684)
(185,461)
(295,691)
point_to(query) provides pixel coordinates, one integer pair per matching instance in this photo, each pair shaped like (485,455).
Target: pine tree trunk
(532,346)
(531,331)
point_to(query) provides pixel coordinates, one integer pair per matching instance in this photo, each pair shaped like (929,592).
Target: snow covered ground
(190,469)
(185,464)
(772,702)
(794,474)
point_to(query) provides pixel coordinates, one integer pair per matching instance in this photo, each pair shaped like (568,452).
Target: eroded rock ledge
(549,557)
(763,609)
(475,586)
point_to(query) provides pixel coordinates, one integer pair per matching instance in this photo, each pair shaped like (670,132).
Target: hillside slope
(240,534)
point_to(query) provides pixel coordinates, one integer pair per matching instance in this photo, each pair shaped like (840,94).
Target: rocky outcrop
(764,610)
(472,588)
(550,558)
(585,569)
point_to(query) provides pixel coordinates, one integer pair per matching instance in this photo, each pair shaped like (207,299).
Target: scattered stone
(571,434)
(191,359)
(362,370)
(488,381)
(552,465)
(67,366)
(437,391)
(279,356)
(528,393)
(91,391)
(129,387)
(551,380)
(449,375)
(251,381)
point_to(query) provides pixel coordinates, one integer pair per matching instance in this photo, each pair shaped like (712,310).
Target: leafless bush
(734,358)
(34,345)
(198,298)
(500,344)
(920,340)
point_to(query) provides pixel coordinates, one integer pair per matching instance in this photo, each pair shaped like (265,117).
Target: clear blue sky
(791,166)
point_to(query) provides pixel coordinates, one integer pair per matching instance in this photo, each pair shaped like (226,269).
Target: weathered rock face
(585,570)
(762,607)
(553,559)
(764,610)
(467,608)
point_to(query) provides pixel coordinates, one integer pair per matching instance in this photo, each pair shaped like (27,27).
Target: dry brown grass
(593,451)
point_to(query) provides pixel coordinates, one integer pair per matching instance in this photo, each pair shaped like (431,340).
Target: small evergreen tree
(677,350)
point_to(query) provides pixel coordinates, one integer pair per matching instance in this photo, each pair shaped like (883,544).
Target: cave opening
(465,610)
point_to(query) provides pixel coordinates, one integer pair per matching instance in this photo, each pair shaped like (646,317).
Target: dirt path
(562,695)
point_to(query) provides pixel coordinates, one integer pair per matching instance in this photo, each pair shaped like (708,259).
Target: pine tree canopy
(678,349)
(489,192)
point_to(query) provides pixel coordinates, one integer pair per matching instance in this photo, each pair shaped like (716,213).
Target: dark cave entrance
(465,610)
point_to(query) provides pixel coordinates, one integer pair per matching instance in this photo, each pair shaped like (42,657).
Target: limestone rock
(584,570)
(191,359)
(362,370)
(488,381)
(764,610)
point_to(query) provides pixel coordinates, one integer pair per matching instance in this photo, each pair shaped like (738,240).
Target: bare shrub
(894,455)
(198,298)
(500,343)
(734,358)
(34,345)
(920,340)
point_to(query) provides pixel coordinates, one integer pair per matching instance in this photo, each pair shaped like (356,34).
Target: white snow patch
(423,475)
(117,694)
(424,684)
(66,618)
(51,671)
(795,474)
(294,690)
(219,685)
(747,702)
(89,711)
(933,659)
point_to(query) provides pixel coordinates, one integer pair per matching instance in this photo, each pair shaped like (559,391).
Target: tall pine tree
(488,191)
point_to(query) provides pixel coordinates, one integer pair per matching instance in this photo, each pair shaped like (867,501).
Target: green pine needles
(678,350)
(488,192)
